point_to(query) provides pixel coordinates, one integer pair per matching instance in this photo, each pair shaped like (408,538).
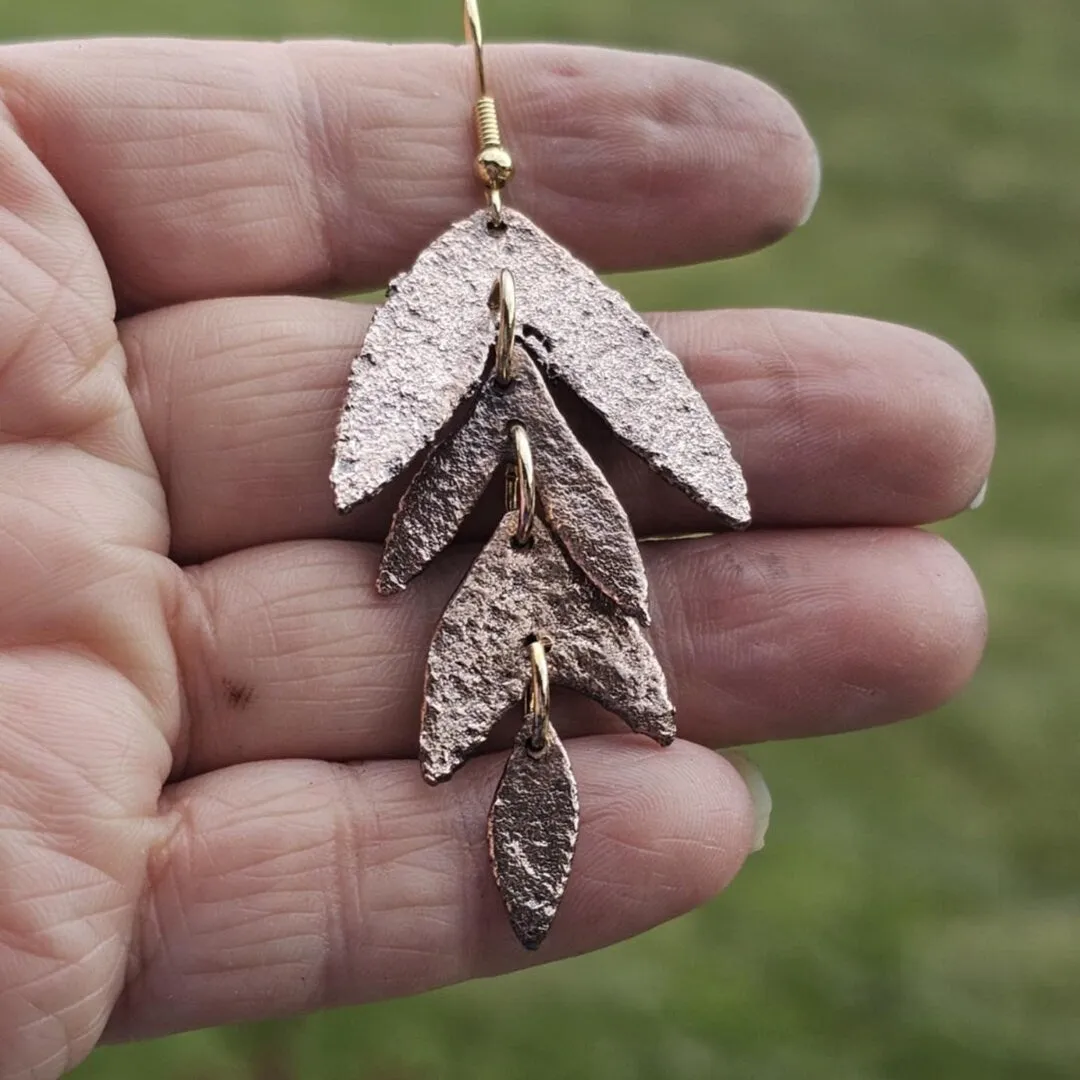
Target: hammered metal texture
(411,373)
(576,500)
(532,831)
(428,343)
(477,665)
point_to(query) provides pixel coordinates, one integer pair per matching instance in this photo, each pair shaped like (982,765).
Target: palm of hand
(188,648)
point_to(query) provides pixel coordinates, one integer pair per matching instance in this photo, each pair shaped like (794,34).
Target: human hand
(209,807)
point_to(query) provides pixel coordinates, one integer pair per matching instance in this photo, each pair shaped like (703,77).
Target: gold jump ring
(524,486)
(503,304)
(538,697)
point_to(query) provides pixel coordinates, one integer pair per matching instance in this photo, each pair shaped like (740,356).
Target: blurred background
(916,913)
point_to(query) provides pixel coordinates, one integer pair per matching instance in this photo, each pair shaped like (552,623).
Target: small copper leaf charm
(475,671)
(532,831)
(577,500)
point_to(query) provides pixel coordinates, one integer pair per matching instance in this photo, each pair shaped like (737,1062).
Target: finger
(84,657)
(836,420)
(214,168)
(288,651)
(293,886)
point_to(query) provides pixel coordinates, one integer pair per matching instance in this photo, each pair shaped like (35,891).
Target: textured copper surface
(576,500)
(581,595)
(532,830)
(477,665)
(428,344)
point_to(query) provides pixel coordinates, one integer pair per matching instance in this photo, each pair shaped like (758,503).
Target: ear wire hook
(475,34)
(494,165)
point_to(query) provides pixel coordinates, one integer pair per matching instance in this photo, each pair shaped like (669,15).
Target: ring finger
(287,650)
(835,420)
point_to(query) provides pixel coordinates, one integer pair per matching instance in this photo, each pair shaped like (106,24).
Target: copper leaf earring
(490,312)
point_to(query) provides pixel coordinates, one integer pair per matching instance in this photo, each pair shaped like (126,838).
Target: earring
(489,312)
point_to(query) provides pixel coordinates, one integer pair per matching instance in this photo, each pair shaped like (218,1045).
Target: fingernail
(760,796)
(980,496)
(815,190)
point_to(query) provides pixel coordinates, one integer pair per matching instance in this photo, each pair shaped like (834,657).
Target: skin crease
(207,811)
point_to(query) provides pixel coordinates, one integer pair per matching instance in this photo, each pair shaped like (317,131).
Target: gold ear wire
(494,165)
(475,34)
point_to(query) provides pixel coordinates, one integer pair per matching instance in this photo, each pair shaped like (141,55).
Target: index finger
(220,168)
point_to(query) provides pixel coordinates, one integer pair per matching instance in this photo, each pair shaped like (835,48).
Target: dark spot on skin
(568,70)
(238,695)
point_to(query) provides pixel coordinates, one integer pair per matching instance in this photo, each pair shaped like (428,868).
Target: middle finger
(836,420)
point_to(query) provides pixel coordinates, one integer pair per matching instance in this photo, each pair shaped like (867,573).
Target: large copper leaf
(478,662)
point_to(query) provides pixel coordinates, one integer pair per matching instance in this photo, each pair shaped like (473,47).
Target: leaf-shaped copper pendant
(511,595)
(427,345)
(558,593)
(532,831)
(562,575)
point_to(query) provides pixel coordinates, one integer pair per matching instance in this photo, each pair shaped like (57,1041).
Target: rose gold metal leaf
(411,373)
(477,667)
(428,343)
(576,499)
(532,831)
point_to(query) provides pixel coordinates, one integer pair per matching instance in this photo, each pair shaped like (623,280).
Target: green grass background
(916,911)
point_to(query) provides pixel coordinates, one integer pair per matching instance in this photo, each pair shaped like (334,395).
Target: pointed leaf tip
(405,384)
(532,833)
